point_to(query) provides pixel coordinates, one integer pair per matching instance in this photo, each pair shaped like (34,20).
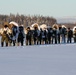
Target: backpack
(21,32)
(29,34)
(21,35)
(45,33)
(54,33)
(14,30)
(70,33)
(50,32)
(21,29)
(35,33)
(64,31)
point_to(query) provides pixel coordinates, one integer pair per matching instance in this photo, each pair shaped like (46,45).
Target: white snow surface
(38,60)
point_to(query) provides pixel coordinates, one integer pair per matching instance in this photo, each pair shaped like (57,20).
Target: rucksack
(64,31)
(21,35)
(54,32)
(42,33)
(50,32)
(14,30)
(21,29)
(70,33)
(35,33)
(29,33)
(45,33)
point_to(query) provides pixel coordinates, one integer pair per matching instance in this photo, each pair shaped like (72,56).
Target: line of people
(12,35)
(50,36)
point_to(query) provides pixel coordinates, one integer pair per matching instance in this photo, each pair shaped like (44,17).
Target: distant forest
(27,20)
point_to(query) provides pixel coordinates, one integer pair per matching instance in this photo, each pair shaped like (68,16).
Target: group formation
(17,35)
(12,35)
(50,35)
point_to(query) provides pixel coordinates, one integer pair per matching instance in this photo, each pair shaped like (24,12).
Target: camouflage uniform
(5,36)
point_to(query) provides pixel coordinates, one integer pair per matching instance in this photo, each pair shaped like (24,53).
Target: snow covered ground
(38,60)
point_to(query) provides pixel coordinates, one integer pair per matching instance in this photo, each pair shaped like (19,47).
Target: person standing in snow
(69,35)
(50,33)
(35,35)
(15,32)
(40,37)
(54,36)
(5,35)
(63,34)
(21,35)
(59,35)
(28,36)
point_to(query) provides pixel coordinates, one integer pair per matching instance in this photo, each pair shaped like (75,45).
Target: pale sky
(54,8)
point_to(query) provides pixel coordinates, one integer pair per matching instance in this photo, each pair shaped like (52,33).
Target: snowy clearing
(38,60)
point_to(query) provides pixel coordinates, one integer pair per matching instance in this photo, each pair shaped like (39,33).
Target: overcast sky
(55,8)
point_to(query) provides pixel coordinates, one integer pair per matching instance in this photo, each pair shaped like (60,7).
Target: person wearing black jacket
(40,36)
(69,35)
(59,34)
(28,36)
(54,36)
(35,36)
(21,35)
(50,33)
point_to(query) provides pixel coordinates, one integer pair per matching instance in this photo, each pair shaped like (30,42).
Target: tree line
(27,20)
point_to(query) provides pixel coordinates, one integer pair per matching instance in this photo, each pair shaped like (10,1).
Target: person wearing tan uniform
(5,35)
